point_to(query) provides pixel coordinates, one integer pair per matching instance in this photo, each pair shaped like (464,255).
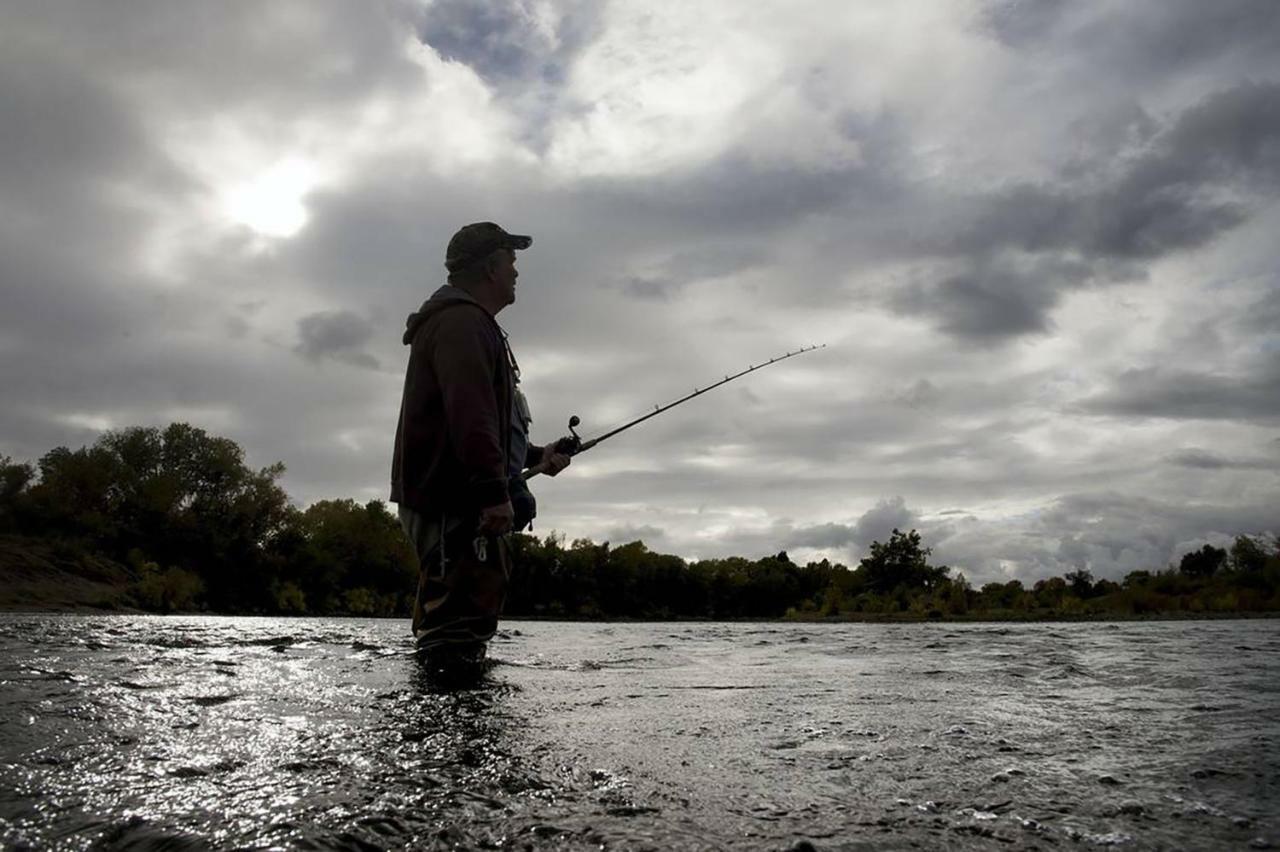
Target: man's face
(505,274)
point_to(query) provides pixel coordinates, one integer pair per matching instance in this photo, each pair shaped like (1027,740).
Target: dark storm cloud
(1157,36)
(283,58)
(986,302)
(1020,23)
(1144,37)
(625,533)
(60,129)
(921,394)
(340,335)
(1234,134)
(878,523)
(503,43)
(1264,314)
(685,266)
(730,195)
(1020,250)
(1199,459)
(1185,394)
(1166,200)
(1140,218)
(651,289)
(823,537)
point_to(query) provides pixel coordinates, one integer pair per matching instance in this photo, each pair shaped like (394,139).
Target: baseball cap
(478,240)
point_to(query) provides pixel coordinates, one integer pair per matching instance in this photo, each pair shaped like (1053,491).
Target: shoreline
(1099,618)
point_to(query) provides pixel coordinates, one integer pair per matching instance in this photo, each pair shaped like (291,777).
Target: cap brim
(519,241)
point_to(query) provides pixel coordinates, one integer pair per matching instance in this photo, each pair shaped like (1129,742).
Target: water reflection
(139,732)
(232,732)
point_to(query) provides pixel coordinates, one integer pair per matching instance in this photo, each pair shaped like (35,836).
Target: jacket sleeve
(466,366)
(532,456)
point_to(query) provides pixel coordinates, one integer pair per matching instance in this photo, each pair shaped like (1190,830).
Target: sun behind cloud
(271,202)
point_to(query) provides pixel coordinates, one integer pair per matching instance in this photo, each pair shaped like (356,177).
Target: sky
(1038,238)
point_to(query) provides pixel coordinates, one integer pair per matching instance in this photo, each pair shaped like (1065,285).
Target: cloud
(339,335)
(877,524)
(1141,40)
(510,42)
(1200,459)
(990,301)
(823,537)
(1171,196)
(1161,392)
(653,537)
(1018,251)
(1019,23)
(651,289)
(1109,534)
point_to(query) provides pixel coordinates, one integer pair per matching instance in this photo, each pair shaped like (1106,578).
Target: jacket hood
(446,296)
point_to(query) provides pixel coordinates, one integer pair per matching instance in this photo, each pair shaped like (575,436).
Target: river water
(192,733)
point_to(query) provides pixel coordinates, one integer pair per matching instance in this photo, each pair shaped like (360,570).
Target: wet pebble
(1129,807)
(1206,772)
(1114,838)
(1202,808)
(543,830)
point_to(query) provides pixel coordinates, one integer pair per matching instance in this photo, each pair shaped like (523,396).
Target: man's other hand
(553,462)
(496,520)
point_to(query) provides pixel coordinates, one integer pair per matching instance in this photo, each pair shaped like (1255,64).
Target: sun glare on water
(271,202)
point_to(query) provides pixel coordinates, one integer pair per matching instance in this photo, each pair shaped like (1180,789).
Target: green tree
(355,548)
(1050,593)
(1081,582)
(15,480)
(1202,562)
(1247,555)
(901,561)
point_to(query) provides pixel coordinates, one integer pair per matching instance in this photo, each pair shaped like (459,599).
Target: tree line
(185,525)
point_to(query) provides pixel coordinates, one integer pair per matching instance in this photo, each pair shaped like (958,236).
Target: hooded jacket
(454,435)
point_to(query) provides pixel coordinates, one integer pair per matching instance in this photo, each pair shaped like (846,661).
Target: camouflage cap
(478,240)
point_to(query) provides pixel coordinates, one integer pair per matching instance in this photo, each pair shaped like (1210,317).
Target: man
(454,453)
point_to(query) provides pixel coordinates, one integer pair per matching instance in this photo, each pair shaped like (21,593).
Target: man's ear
(491,266)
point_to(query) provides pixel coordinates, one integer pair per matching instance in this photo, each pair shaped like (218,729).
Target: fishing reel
(570,444)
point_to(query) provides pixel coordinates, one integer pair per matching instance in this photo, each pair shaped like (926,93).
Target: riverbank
(47,575)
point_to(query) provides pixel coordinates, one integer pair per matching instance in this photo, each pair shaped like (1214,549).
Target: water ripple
(142,732)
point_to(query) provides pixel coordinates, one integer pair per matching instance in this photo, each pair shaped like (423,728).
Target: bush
(171,590)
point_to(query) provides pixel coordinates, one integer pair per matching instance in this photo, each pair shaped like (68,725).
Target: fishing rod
(574,445)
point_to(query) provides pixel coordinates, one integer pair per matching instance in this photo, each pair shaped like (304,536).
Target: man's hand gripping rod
(572,446)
